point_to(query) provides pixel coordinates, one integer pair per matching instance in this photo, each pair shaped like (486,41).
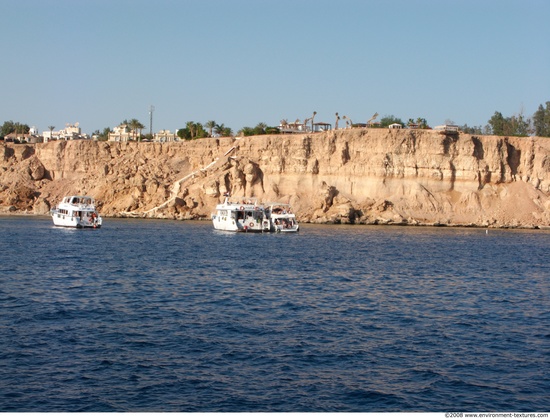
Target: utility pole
(151,110)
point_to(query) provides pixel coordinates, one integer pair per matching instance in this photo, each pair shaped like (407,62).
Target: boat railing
(241,201)
(85,205)
(277,204)
(280,210)
(81,201)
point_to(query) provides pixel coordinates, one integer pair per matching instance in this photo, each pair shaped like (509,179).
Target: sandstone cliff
(350,176)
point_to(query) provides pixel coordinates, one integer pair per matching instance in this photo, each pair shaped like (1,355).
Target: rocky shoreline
(352,176)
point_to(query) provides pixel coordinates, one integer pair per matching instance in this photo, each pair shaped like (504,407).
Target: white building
(70,132)
(121,133)
(165,136)
(447,129)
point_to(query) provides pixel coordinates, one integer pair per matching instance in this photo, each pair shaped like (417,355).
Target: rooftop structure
(71,131)
(165,135)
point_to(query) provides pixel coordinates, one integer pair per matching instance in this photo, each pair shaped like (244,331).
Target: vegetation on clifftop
(498,124)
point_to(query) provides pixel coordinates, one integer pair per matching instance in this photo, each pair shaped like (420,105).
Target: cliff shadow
(483,174)
(345,154)
(453,175)
(47,175)
(513,158)
(449,144)
(483,177)
(449,149)
(8,153)
(479,152)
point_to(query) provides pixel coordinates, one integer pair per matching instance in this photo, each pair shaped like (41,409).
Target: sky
(242,62)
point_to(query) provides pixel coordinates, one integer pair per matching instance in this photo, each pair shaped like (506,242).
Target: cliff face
(348,176)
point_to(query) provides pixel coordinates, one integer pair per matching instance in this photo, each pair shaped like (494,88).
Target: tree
(211,125)
(419,123)
(222,130)
(510,126)
(6,128)
(103,135)
(422,123)
(272,130)
(134,126)
(497,123)
(519,126)
(187,133)
(259,129)
(192,130)
(10,127)
(227,131)
(472,130)
(200,132)
(51,128)
(246,131)
(389,120)
(541,120)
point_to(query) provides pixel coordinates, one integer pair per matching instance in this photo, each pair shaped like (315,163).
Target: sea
(173,316)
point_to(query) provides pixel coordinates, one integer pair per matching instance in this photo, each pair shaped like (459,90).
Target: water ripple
(172,316)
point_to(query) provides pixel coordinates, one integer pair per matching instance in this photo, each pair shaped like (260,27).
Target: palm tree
(211,125)
(192,126)
(422,123)
(313,117)
(259,129)
(140,127)
(218,129)
(336,123)
(135,125)
(51,128)
(223,130)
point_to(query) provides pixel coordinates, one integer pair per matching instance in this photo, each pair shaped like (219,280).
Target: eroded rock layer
(382,176)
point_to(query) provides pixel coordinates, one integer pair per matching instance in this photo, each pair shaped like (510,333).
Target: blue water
(146,315)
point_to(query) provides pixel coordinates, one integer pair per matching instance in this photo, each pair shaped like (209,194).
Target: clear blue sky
(241,62)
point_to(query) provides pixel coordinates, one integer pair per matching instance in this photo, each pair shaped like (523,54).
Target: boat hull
(74,222)
(222,223)
(243,216)
(76,212)
(249,216)
(283,221)
(295,228)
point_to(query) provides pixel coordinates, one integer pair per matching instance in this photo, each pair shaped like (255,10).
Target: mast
(151,110)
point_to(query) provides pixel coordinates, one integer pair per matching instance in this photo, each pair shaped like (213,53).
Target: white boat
(76,212)
(281,218)
(240,215)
